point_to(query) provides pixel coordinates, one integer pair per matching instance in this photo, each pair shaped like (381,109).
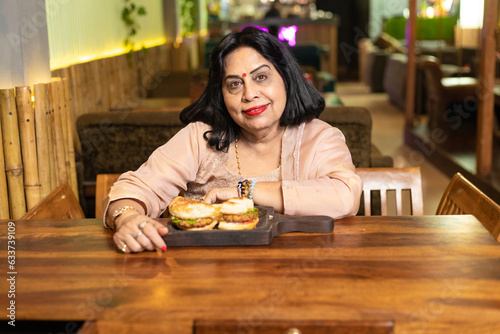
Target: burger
(192,214)
(238,214)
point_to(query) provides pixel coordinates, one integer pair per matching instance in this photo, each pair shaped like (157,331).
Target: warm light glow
(447,4)
(471,14)
(429,12)
(406,13)
(84,30)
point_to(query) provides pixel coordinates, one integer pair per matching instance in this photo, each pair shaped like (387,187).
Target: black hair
(303,104)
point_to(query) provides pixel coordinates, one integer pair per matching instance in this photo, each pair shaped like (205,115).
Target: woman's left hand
(217,195)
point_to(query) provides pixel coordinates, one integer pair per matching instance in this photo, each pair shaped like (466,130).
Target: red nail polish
(164,248)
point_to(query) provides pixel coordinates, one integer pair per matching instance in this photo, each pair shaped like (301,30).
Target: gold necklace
(238,156)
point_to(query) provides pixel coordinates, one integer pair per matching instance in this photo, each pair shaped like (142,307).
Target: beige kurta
(317,172)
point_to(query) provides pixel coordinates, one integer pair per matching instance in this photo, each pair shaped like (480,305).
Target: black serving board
(270,225)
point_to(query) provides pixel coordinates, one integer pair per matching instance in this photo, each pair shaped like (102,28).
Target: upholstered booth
(442,91)
(376,61)
(395,79)
(374,55)
(116,142)
(383,63)
(356,125)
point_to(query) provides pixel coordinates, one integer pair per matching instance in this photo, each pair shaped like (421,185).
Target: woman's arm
(164,175)
(134,231)
(323,181)
(137,196)
(264,193)
(318,176)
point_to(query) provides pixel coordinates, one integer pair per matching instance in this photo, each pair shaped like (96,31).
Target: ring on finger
(143,224)
(124,248)
(138,235)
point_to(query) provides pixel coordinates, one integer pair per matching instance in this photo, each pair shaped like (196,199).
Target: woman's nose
(250,91)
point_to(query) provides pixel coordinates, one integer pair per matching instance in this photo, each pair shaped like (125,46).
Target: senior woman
(256,123)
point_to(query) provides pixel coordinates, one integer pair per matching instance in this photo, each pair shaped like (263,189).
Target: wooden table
(430,274)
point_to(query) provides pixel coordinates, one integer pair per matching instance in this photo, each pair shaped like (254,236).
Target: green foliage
(188,16)
(130,13)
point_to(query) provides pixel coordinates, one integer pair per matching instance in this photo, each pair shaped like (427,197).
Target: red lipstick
(254,111)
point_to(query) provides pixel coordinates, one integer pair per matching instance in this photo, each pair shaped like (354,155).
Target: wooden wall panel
(119,81)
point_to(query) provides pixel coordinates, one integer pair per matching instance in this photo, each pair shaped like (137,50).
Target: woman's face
(253,91)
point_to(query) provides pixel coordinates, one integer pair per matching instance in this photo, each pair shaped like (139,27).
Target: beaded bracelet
(246,188)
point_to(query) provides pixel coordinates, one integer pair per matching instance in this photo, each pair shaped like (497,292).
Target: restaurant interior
(89,89)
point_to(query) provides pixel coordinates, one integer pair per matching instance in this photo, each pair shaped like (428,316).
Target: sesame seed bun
(236,205)
(188,208)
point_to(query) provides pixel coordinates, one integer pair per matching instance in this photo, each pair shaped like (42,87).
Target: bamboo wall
(102,84)
(37,151)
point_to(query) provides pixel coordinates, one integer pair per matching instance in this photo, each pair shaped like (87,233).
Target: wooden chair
(463,197)
(384,180)
(102,187)
(59,204)
(214,326)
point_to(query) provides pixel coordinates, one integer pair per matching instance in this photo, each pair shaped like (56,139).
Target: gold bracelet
(118,212)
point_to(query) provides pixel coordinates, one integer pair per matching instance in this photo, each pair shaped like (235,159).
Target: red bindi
(244,75)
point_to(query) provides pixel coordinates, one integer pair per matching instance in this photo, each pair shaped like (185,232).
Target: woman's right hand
(136,232)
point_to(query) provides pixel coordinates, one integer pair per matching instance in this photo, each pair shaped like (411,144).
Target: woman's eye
(261,77)
(234,85)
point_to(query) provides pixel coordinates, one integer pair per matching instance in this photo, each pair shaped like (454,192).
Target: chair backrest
(388,180)
(356,125)
(59,204)
(104,182)
(432,73)
(463,197)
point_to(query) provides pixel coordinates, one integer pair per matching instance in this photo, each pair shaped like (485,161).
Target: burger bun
(236,205)
(248,225)
(189,208)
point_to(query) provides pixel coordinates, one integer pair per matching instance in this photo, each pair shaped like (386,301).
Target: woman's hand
(217,195)
(136,232)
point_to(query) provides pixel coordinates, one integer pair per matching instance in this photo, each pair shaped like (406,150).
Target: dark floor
(453,148)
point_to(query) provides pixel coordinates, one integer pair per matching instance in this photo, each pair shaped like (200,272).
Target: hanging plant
(130,13)
(188,17)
